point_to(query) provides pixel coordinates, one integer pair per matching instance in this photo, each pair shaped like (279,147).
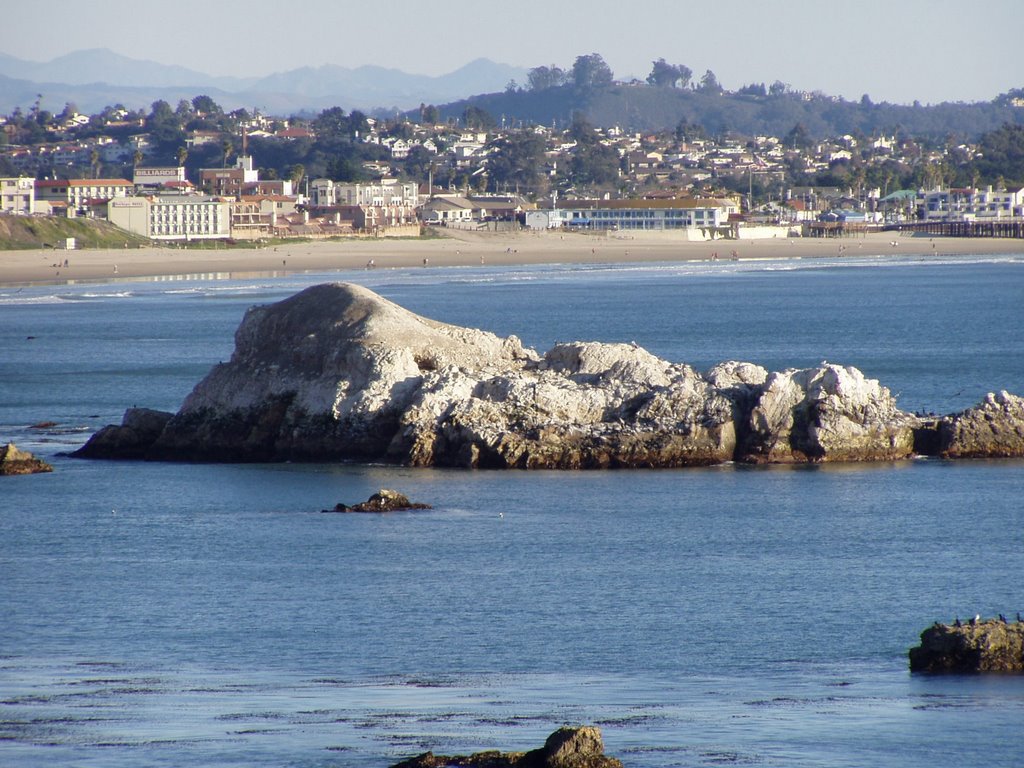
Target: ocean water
(176,614)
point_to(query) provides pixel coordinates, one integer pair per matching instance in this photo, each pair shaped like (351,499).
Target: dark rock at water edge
(16,462)
(139,429)
(382,501)
(570,747)
(992,645)
(338,373)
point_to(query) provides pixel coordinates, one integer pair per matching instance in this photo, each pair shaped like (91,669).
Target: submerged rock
(338,373)
(976,646)
(15,462)
(579,747)
(382,501)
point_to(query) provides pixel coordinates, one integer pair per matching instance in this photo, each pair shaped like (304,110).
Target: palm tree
(94,161)
(228,149)
(296,174)
(137,157)
(182,155)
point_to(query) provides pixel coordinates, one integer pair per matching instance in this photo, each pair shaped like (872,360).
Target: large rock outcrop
(975,646)
(338,373)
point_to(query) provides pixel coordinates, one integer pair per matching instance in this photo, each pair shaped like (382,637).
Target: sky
(892,50)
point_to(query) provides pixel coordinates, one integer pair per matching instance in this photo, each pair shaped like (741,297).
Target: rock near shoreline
(338,373)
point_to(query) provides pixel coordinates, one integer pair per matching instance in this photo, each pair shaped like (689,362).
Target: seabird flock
(976,620)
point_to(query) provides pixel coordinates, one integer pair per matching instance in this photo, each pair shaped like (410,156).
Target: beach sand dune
(456,248)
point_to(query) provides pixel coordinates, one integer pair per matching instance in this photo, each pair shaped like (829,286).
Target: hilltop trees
(204,105)
(665,75)
(477,119)
(542,78)
(429,114)
(709,84)
(590,72)
(333,125)
(165,127)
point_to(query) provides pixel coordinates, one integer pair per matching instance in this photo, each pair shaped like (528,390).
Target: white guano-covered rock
(829,413)
(992,428)
(338,373)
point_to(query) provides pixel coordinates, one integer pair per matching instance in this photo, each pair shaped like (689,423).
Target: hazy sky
(893,50)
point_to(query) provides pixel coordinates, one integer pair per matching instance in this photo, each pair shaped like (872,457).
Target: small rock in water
(15,462)
(580,747)
(382,501)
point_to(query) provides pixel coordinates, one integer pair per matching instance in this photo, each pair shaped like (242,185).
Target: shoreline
(456,248)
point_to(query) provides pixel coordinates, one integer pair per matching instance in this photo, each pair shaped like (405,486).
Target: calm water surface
(169,614)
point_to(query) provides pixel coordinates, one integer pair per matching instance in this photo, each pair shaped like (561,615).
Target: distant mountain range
(97,78)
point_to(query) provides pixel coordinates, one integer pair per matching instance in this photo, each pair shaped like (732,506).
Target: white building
(447,209)
(174,218)
(325,193)
(661,214)
(972,204)
(17,195)
(79,192)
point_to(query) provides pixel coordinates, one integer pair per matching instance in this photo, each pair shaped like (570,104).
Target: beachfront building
(971,204)
(447,209)
(229,182)
(378,219)
(325,193)
(18,195)
(505,207)
(626,215)
(76,194)
(256,216)
(172,218)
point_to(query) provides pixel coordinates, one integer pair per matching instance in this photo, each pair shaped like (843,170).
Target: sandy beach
(454,249)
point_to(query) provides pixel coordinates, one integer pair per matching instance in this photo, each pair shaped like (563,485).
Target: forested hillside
(753,110)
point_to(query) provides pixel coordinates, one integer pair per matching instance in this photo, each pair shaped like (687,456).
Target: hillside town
(389,177)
